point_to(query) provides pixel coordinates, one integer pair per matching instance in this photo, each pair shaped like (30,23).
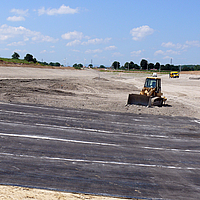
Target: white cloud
(20,51)
(117,54)
(136,53)
(78,36)
(43,38)
(76,50)
(25,38)
(93,41)
(72,35)
(93,51)
(73,43)
(110,48)
(159,52)
(172,52)
(168,52)
(7,32)
(168,44)
(60,11)
(11,32)
(43,51)
(96,41)
(16,19)
(179,48)
(20,43)
(20,12)
(141,32)
(5,49)
(185,46)
(195,43)
(3,37)
(167,57)
(172,45)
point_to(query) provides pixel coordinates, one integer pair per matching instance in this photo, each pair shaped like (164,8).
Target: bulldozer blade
(138,99)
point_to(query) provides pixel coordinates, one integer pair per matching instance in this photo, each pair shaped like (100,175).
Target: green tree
(116,65)
(167,67)
(150,66)
(90,65)
(123,68)
(131,65)
(170,67)
(28,57)
(15,55)
(136,66)
(80,65)
(43,63)
(174,68)
(186,68)
(197,67)
(57,64)
(34,60)
(144,64)
(77,66)
(157,65)
(126,65)
(102,66)
(162,67)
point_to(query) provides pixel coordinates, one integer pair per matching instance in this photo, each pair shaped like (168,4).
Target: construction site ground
(95,90)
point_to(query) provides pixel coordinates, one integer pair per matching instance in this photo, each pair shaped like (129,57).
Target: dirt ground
(92,89)
(21,193)
(96,90)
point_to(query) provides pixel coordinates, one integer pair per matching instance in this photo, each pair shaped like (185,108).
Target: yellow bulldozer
(150,94)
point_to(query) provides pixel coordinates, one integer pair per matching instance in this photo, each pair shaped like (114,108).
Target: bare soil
(91,89)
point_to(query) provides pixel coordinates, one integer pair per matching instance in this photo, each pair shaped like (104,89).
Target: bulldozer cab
(152,82)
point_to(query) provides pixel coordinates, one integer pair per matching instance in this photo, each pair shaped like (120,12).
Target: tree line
(144,65)
(30,58)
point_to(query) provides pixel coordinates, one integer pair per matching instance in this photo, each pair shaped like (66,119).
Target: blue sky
(81,31)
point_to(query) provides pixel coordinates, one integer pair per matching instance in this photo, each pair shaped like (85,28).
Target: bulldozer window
(150,83)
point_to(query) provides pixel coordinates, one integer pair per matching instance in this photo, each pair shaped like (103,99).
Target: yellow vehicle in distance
(174,75)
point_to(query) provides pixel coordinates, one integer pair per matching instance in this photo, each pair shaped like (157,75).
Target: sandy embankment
(20,193)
